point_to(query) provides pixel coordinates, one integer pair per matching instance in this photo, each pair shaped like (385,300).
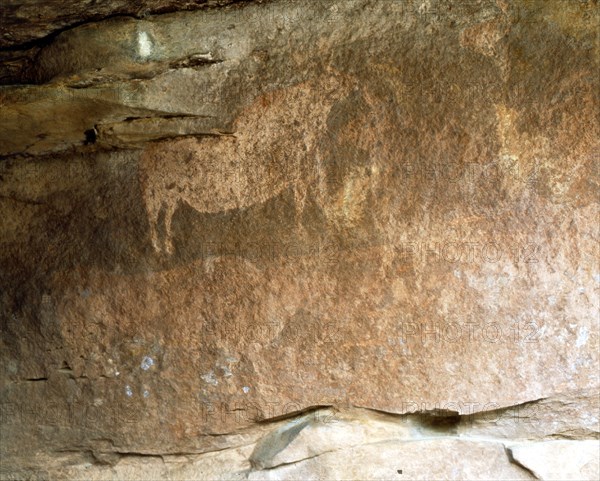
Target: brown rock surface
(217,221)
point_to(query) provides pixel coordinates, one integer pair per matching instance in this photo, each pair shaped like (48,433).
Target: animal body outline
(275,145)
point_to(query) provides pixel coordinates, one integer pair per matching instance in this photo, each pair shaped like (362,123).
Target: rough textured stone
(559,459)
(25,21)
(349,444)
(216,221)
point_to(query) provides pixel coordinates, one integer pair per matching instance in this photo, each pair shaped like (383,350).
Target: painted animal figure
(274,147)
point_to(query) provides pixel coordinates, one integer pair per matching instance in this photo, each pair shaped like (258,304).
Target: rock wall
(337,239)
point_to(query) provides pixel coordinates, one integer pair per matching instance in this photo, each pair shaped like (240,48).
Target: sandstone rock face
(344,239)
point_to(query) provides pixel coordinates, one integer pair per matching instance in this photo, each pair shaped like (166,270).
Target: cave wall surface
(338,239)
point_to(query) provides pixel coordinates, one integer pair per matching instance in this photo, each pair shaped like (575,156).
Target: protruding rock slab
(558,460)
